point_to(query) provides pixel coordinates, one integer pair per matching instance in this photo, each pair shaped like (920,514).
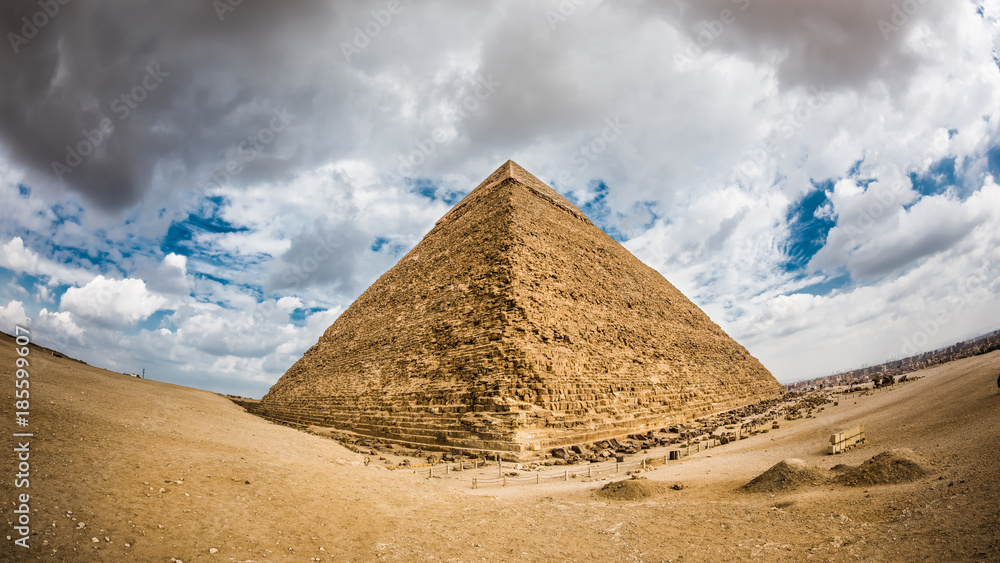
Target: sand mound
(893,466)
(786,474)
(631,489)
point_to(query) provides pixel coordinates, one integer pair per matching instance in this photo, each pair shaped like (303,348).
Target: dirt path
(155,471)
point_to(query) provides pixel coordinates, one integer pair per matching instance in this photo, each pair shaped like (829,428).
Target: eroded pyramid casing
(517,325)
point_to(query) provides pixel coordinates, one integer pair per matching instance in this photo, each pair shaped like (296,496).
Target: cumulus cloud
(112,302)
(11,316)
(170,276)
(14,256)
(57,328)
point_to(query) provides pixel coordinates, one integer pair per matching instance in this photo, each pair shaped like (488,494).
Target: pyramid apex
(506,170)
(511,169)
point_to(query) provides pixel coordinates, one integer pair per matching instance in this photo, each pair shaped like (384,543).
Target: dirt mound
(889,467)
(632,489)
(785,475)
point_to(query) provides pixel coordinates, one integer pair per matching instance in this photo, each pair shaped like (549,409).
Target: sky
(199,189)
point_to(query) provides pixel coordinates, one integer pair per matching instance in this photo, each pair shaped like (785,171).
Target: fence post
(504,480)
(589,473)
(566,475)
(473,482)
(616,466)
(644,463)
(499,468)
(431,473)
(538,478)
(664,460)
(447,470)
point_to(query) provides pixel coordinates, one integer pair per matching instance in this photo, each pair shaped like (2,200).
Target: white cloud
(14,256)
(112,302)
(950,295)
(170,276)
(59,330)
(11,316)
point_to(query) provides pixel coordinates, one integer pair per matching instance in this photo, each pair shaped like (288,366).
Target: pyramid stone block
(516,325)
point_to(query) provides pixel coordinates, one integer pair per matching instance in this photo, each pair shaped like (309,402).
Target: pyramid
(516,326)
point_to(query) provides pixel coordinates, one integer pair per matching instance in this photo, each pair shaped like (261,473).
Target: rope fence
(590,471)
(445,468)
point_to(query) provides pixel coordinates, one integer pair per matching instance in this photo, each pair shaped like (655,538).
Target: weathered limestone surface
(516,325)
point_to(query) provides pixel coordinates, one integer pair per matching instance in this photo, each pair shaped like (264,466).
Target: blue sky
(829,197)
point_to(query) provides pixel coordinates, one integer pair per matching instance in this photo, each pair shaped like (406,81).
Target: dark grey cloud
(883,259)
(219,78)
(326,255)
(155,93)
(847,43)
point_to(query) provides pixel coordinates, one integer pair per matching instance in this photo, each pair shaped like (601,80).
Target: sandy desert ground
(136,470)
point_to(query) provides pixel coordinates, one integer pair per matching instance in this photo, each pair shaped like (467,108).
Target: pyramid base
(448,433)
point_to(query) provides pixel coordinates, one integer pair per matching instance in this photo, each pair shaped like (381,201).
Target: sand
(155,471)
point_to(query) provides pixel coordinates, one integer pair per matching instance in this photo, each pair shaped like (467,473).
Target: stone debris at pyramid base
(716,430)
(514,328)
